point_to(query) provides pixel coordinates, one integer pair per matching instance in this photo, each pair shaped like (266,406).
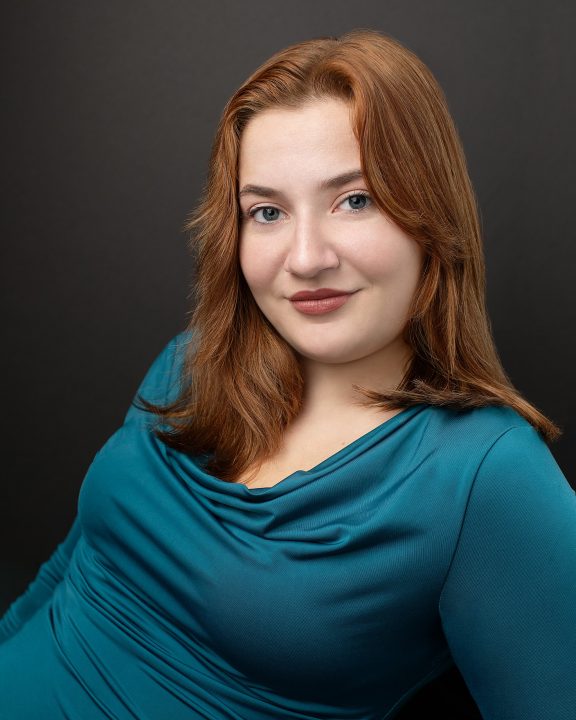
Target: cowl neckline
(190,468)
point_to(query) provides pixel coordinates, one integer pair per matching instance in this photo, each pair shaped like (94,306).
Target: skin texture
(305,238)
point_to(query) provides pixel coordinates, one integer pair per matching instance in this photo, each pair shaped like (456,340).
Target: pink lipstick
(318,302)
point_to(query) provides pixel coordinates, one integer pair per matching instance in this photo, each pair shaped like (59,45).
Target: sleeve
(160,384)
(508,605)
(41,588)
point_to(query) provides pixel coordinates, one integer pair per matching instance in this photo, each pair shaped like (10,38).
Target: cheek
(258,265)
(398,264)
(248,263)
(383,252)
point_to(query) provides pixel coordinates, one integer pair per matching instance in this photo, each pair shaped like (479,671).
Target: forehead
(319,131)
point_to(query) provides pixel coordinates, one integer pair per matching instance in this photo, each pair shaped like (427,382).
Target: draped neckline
(298,478)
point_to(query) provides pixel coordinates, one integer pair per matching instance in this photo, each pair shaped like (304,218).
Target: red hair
(243,382)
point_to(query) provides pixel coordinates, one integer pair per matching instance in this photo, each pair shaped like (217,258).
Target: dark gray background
(108,112)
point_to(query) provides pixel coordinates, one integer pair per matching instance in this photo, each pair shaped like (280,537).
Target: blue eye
(358,201)
(267,213)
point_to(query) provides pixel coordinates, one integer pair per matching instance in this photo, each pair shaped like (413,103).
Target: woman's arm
(41,588)
(508,606)
(160,381)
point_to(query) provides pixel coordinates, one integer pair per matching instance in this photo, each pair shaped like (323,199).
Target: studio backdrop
(108,114)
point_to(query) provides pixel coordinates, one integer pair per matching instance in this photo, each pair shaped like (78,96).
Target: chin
(340,353)
(335,356)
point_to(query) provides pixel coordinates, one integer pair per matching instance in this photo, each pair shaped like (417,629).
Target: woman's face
(301,230)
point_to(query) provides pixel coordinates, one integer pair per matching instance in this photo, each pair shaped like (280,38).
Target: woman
(327,492)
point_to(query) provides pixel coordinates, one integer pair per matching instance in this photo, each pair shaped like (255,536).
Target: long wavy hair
(242,383)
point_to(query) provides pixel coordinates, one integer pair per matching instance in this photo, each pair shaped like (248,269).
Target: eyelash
(356,193)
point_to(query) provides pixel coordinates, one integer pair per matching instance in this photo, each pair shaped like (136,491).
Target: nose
(309,251)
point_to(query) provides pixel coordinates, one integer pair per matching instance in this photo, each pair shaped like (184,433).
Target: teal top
(438,537)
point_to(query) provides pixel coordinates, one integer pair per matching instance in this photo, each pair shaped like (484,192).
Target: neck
(329,386)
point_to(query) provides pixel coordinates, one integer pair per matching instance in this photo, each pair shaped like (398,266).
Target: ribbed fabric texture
(439,536)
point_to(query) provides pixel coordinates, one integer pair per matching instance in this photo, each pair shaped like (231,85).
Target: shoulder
(487,445)
(500,456)
(474,431)
(171,356)
(163,380)
(491,419)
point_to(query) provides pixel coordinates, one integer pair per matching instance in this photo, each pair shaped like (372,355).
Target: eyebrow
(329,184)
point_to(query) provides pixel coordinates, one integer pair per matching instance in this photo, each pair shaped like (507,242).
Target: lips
(321,301)
(319,294)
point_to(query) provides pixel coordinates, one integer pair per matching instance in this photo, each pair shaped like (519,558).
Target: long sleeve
(158,381)
(41,588)
(508,605)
